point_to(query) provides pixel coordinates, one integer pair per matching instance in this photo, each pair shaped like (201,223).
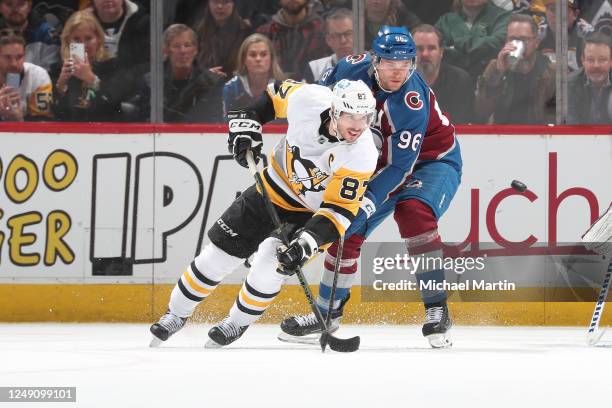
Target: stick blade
(594,336)
(340,345)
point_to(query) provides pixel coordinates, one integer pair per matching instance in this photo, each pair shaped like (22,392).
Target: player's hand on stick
(300,250)
(244,135)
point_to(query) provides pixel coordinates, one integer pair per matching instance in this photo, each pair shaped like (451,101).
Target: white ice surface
(112,366)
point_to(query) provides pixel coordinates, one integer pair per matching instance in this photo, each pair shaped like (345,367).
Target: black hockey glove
(244,135)
(300,250)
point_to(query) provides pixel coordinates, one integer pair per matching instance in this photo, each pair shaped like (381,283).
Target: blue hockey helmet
(394,43)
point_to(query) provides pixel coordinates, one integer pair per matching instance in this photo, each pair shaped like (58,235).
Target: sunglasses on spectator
(221,2)
(337,36)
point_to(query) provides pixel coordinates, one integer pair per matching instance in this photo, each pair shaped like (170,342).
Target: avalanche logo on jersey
(355,59)
(303,174)
(413,100)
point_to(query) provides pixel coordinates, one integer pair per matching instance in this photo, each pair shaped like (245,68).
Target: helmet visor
(355,121)
(387,64)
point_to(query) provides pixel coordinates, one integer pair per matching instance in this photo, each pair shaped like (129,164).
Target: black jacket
(80,104)
(198,99)
(134,48)
(454,91)
(586,104)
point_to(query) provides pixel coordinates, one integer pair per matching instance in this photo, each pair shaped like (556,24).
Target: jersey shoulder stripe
(352,67)
(280,93)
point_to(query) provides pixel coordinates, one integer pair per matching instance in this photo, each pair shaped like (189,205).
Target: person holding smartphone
(88,83)
(25,89)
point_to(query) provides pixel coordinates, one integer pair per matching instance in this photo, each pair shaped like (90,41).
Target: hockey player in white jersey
(316,178)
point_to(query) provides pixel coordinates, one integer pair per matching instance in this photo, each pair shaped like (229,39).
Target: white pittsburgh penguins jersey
(36,91)
(313,172)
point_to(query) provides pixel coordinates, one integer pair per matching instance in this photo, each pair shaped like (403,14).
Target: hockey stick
(598,239)
(594,334)
(325,335)
(336,344)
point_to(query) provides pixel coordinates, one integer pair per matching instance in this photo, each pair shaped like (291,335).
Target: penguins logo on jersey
(303,174)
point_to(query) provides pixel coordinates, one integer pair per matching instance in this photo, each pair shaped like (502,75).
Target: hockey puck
(518,185)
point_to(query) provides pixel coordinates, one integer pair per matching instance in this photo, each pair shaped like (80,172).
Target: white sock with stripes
(260,287)
(200,279)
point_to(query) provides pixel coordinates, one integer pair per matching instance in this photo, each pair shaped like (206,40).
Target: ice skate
(167,325)
(305,329)
(224,333)
(437,325)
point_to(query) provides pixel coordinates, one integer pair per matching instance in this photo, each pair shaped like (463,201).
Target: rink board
(145,303)
(98,226)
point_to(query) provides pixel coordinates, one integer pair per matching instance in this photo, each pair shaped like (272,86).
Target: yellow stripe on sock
(252,302)
(194,285)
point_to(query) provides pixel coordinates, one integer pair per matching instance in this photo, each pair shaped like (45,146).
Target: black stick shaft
(277,223)
(334,284)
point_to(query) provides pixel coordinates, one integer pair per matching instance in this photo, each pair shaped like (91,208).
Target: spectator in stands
(257,12)
(30,98)
(254,12)
(42,46)
(339,37)
(257,67)
(126,31)
(191,94)
(428,11)
(589,90)
(324,7)
(453,86)
(598,13)
(297,35)
(386,12)
(57,12)
(577,28)
(473,34)
(221,32)
(520,92)
(89,89)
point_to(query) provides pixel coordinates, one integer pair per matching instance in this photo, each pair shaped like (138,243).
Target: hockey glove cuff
(300,250)
(367,204)
(244,135)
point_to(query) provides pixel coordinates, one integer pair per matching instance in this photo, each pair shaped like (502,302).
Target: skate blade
(594,337)
(308,339)
(155,342)
(211,344)
(440,340)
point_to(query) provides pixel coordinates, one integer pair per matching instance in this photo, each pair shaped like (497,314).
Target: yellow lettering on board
(1,237)
(56,159)
(58,225)
(20,163)
(20,239)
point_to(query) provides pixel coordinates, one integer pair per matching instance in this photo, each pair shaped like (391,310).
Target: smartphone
(13,80)
(77,50)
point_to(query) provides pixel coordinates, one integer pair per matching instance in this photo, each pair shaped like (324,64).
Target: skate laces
(306,320)
(229,328)
(434,314)
(171,322)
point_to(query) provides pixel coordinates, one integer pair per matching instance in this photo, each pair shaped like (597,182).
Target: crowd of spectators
(488,61)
